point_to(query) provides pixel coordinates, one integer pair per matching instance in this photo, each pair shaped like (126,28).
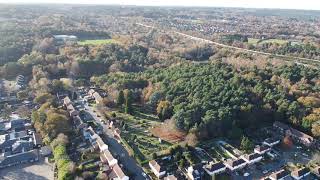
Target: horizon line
(181,6)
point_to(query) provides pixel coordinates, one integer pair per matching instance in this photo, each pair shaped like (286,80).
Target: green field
(254,41)
(97,42)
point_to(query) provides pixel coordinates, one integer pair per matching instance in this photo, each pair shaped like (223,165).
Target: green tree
(120,99)
(128,102)
(246,144)
(164,110)
(22,95)
(6,113)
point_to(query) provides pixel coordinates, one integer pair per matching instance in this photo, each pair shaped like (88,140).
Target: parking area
(36,171)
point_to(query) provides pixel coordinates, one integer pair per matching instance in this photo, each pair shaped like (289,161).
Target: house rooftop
(118,171)
(252,156)
(19,157)
(300,172)
(233,163)
(215,166)
(271,140)
(262,148)
(155,164)
(280,174)
(170,177)
(293,131)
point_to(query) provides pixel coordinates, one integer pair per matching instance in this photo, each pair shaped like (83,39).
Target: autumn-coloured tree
(287,142)
(164,110)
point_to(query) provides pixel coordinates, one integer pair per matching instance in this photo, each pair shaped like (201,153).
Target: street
(116,148)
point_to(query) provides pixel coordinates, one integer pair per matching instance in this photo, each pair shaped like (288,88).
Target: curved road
(236,48)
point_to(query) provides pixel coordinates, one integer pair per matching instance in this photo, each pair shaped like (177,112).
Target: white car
(144,174)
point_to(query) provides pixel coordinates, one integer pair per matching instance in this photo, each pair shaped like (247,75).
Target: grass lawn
(97,41)
(254,41)
(278,41)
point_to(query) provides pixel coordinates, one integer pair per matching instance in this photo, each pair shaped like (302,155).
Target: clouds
(284,4)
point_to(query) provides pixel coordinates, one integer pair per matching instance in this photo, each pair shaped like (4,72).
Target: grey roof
(252,156)
(18,158)
(236,162)
(15,142)
(280,174)
(215,166)
(18,124)
(21,146)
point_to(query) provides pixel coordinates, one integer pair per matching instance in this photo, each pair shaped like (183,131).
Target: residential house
(262,149)
(117,133)
(271,142)
(215,168)
(90,92)
(170,177)
(98,98)
(195,172)
(78,123)
(37,140)
(235,164)
(119,174)
(252,158)
(15,124)
(316,171)
(106,157)
(279,175)
(67,101)
(296,135)
(158,170)
(19,158)
(72,111)
(102,146)
(300,173)
(17,148)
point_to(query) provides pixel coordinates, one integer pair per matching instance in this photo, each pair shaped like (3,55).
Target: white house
(108,158)
(235,164)
(252,158)
(215,168)
(195,172)
(119,173)
(157,169)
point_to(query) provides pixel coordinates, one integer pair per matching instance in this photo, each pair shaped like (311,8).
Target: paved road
(236,48)
(117,149)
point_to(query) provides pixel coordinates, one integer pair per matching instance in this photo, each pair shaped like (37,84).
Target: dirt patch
(168,132)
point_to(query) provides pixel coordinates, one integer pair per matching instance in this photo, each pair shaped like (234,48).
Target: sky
(282,4)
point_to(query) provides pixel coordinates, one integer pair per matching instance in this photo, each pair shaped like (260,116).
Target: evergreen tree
(120,99)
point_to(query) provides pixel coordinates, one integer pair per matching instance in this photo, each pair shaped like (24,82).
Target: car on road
(144,174)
